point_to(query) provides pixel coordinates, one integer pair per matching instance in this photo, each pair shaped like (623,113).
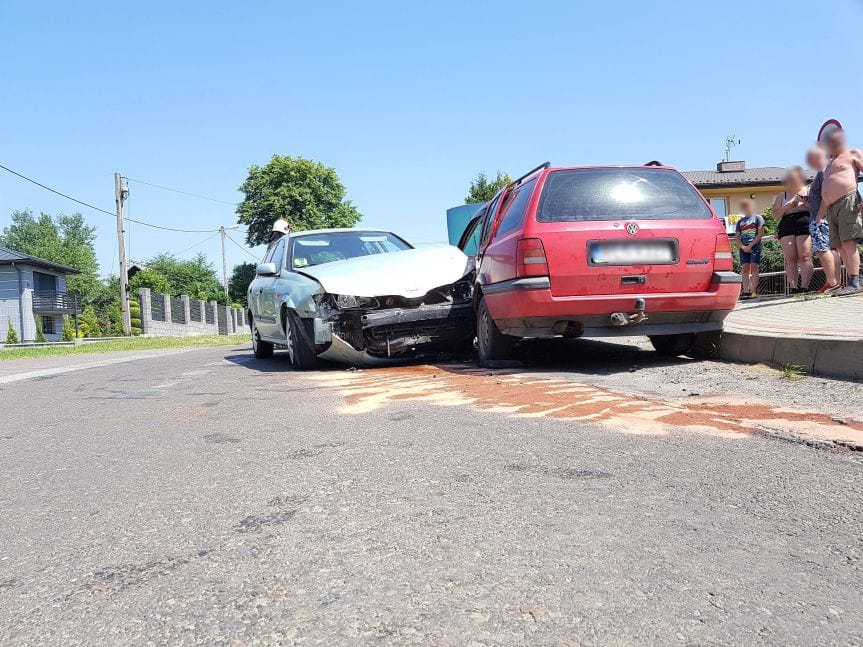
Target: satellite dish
(828,128)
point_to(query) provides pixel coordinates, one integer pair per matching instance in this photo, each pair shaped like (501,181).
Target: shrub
(88,322)
(40,334)
(11,335)
(135,317)
(68,329)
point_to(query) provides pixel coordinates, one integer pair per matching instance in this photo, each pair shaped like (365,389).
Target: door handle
(633,279)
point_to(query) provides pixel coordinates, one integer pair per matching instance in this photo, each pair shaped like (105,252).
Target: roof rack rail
(519,180)
(654,163)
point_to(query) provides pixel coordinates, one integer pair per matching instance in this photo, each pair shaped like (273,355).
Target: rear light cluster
(722,254)
(530,258)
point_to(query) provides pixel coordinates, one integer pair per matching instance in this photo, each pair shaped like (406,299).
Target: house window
(48,325)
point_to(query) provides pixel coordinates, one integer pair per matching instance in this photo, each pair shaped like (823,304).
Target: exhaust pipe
(624,319)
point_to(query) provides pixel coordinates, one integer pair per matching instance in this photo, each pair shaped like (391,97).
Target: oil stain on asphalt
(525,394)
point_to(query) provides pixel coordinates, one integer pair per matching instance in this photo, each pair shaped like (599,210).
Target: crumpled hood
(410,273)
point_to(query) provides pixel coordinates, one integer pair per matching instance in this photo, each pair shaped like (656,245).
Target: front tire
(673,345)
(301,342)
(491,342)
(261,349)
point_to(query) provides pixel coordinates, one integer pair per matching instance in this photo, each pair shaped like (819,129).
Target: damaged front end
(370,331)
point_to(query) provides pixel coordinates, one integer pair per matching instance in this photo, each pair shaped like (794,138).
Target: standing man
(750,229)
(841,203)
(819,230)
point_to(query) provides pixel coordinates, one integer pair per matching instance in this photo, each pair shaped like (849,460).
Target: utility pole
(222,234)
(121,192)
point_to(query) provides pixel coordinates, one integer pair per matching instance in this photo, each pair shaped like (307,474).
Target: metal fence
(776,282)
(157,307)
(195,310)
(210,316)
(178,311)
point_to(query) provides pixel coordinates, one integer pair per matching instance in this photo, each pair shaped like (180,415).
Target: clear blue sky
(408,103)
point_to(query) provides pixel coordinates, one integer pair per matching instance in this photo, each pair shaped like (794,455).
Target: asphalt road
(599,496)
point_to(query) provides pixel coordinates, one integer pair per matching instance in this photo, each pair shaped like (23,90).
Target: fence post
(146,311)
(201,307)
(214,310)
(166,298)
(187,315)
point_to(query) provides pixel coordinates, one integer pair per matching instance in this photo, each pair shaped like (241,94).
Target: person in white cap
(280,228)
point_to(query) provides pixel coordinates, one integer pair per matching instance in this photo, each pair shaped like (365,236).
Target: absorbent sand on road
(210,498)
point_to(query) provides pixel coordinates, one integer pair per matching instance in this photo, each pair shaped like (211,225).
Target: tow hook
(625,319)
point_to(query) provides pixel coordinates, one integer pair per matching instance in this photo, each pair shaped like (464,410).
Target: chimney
(731,167)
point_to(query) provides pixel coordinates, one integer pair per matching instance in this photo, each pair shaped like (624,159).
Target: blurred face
(816,159)
(793,180)
(836,143)
(747,208)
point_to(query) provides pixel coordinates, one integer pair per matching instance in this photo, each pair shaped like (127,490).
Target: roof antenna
(730,142)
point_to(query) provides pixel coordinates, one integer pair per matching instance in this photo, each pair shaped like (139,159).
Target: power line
(188,249)
(241,247)
(95,208)
(194,195)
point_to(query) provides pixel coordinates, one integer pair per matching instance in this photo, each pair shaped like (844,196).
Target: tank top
(801,209)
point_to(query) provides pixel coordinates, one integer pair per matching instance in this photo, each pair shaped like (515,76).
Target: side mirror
(265,269)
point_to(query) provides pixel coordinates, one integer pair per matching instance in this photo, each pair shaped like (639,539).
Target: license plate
(641,252)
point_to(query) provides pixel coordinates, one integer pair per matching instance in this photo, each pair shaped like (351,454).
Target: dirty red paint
(530,395)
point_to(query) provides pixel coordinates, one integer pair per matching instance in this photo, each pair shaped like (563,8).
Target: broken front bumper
(368,337)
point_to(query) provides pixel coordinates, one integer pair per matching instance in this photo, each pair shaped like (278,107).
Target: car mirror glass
(265,269)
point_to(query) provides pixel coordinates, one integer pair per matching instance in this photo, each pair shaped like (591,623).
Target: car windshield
(315,249)
(618,193)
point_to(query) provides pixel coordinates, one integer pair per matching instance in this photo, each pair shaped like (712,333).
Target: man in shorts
(750,229)
(843,207)
(819,231)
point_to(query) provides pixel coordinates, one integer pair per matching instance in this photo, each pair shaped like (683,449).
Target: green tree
(155,281)
(40,333)
(88,322)
(68,329)
(482,189)
(196,277)
(11,335)
(67,240)
(304,192)
(238,284)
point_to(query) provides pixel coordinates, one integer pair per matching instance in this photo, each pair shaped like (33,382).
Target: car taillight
(722,253)
(530,257)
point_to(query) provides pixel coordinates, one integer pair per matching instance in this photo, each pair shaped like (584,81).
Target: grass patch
(130,343)
(793,372)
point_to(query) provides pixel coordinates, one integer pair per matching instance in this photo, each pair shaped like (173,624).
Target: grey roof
(8,256)
(757,176)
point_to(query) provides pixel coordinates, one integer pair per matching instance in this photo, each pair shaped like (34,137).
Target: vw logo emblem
(631,228)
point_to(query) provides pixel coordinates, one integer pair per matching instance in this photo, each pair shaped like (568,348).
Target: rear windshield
(618,193)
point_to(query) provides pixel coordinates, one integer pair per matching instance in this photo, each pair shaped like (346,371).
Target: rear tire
(261,349)
(673,345)
(492,343)
(304,356)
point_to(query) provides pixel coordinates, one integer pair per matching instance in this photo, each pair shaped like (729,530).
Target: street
(598,495)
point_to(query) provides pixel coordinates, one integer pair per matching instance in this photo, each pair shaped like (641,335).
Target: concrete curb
(842,358)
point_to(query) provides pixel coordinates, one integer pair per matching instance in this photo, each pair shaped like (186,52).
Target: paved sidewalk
(824,334)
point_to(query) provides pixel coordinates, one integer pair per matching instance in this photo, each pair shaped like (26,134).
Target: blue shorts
(753,257)
(820,236)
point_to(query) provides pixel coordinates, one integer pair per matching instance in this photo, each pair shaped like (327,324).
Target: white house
(32,287)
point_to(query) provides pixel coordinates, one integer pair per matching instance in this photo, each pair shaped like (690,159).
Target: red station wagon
(599,252)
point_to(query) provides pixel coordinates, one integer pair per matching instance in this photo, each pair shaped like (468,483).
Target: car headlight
(349,302)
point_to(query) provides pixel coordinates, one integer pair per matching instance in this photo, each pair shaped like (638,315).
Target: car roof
(339,230)
(660,167)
